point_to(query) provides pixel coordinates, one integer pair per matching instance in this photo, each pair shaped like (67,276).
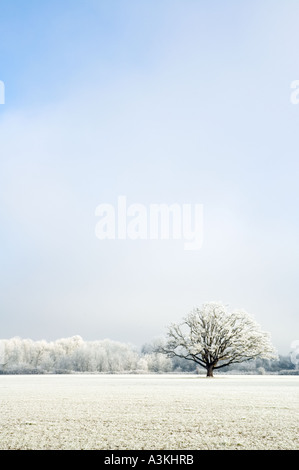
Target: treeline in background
(74,355)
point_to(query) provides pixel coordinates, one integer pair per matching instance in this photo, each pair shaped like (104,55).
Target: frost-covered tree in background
(213,337)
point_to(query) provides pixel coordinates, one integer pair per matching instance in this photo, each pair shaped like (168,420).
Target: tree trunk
(210,371)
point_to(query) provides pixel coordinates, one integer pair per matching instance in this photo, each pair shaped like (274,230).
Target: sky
(161,102)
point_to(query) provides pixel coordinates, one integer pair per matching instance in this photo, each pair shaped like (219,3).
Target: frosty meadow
(152,411)
(71,394)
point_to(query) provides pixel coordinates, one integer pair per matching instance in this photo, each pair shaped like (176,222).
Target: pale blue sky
(163,102)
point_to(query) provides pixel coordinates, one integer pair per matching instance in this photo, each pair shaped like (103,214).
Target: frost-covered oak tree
(213,338)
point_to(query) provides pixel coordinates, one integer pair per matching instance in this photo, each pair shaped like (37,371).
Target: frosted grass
(151,412)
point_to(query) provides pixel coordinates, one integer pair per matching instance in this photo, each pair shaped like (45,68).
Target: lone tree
(214,338)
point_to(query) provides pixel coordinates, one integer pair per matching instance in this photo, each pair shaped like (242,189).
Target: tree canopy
(213,337)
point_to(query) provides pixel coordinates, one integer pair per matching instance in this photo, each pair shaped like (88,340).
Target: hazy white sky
(162,102)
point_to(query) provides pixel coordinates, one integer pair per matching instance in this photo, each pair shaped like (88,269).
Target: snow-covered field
(151,412)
